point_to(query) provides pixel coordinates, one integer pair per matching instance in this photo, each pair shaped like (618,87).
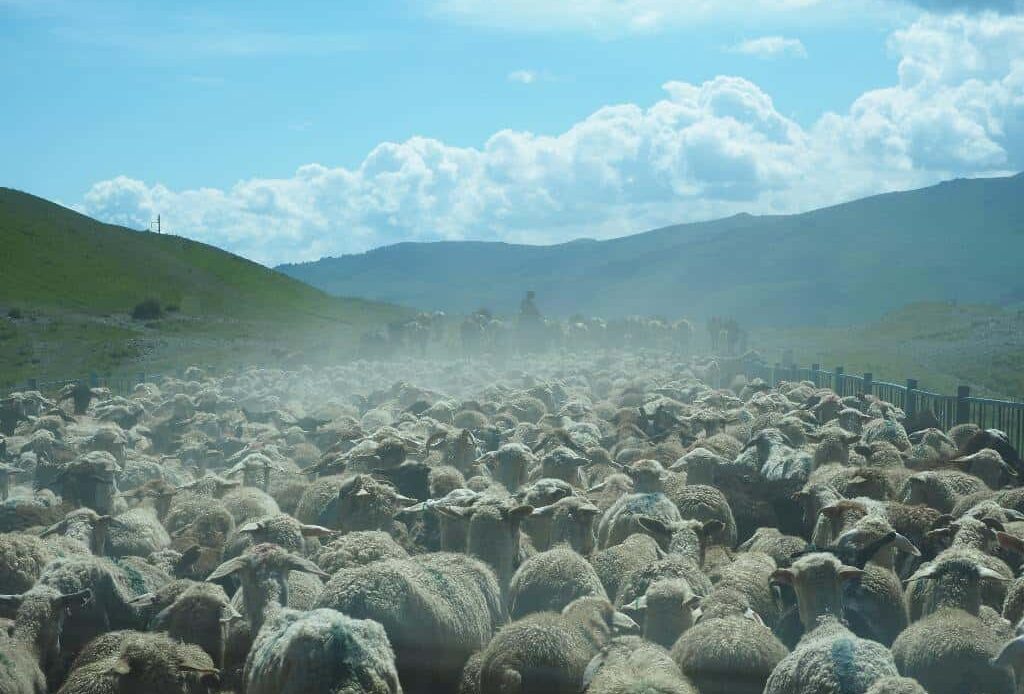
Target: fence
(948,410)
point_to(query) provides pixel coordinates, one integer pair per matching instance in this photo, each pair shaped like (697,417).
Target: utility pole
(157,222)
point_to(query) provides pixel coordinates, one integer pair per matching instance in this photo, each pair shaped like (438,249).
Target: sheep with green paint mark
(829,657)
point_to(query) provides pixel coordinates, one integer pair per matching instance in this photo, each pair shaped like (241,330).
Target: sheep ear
(227,568)
(295,563)
(784,576)
(588,510)
(159,622)
(712,526)
(692,602)
(120,667)
(53,529)
(993,524)
(69,600)
(923,574)
(405,501)
(455,512)
(985,572)
(850,573)
(519,512)
(623,624)
(653,525)
(638,605)
(315,531)
(10,602)
(252,527)
(597,488)
(901,543)
(542,511)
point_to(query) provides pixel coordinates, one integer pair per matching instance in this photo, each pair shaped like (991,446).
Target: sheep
(85,527)
(829,657)
(437,610)
(133,661)
(615,564)
(950,649)
(628,665)
(22,558)
(136,532)
(248,503)
(510,464)
(669,608)
(940,489)
(336,653)
(672,566)
(875,607)
(704,503)
(622,519)
(265,572)
(30,649)
(549,652)
(733,654)
(987,465)
(353,503)
(197,615)
(571,520)
(358,549)
(494,535)
(279,529)
(772,542)
(551,580)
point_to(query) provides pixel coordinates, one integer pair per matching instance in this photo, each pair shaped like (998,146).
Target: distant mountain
(961,240)
(55,258)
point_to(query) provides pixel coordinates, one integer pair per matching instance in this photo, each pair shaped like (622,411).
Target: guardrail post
(94,380)
(33,384)
(837,381)
(869,382)
(140,378)
(815,376)
(776,370)
(910,403)
(963,407)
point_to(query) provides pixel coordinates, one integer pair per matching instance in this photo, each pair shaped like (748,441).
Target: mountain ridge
(805,268)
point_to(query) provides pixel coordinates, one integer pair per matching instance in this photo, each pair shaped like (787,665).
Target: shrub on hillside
(148,309)
(14,313)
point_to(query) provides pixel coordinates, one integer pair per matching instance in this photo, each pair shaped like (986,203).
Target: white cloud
(610,18)
(768,47)
(703,150)
(522,76)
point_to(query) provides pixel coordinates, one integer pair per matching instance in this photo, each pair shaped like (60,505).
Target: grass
(69,284)
(942,345)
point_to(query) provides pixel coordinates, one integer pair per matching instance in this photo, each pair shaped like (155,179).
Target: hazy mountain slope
(961,240)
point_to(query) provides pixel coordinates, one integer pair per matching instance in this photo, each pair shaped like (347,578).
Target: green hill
(957,241)
(68,284)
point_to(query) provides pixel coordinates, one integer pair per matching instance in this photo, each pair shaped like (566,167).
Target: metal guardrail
(948,410)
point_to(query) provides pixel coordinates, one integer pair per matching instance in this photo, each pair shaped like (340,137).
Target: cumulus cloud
(768,47)
(522,76)
(701,151)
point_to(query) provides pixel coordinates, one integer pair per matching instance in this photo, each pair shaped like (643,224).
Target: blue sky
(287,131)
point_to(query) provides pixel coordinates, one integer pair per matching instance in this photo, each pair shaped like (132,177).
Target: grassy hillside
(843,265)
(943,345)
(69,283)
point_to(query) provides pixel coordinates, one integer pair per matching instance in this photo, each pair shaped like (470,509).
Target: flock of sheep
(605,523)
